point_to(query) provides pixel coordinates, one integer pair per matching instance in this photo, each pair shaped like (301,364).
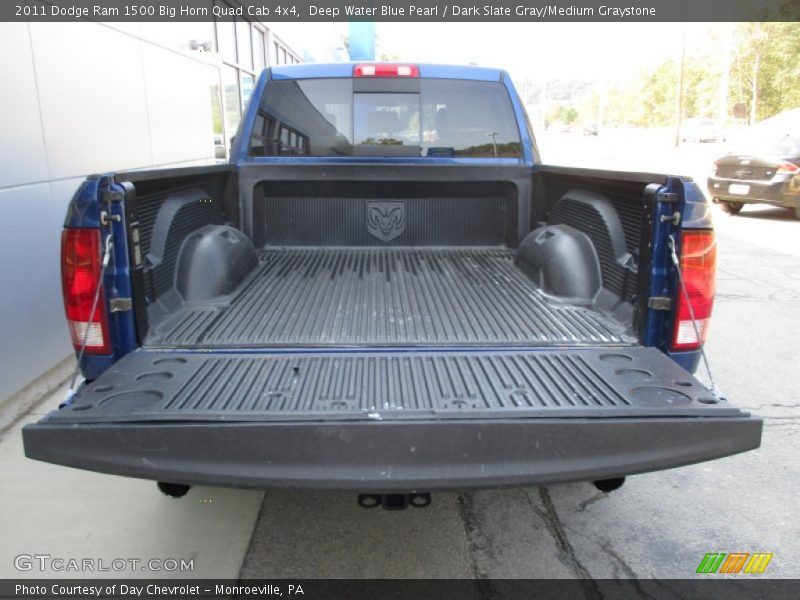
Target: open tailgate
(386,421)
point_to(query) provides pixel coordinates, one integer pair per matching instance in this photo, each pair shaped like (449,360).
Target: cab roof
(345,69)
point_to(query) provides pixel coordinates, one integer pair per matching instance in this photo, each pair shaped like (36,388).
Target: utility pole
(601,108)
(679,115)
(760,34)
(754,89)
(725,75)
(493,135)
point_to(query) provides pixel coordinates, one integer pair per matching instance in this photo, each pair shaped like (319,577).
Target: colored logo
(735,562)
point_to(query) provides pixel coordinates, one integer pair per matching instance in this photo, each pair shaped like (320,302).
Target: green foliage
(561,112)
(509,150)
(623,106)
(763,65)
(765,70)
(216,109)
(658,96)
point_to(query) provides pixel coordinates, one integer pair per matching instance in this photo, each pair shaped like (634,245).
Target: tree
(765,70)
(657,96)
(561,112)
(748,56)
(757,63)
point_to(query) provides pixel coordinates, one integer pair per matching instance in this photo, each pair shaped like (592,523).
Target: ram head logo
(386,220)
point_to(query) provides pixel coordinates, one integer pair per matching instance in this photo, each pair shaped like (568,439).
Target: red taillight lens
(698,265)
(385,70)
(787,168)
(80,276)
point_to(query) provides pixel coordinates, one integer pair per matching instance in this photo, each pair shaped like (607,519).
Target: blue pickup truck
(386,291)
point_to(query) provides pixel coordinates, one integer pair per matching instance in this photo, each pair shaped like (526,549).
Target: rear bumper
(390,456)
(775,192)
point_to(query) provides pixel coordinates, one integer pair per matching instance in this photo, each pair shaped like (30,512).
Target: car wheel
(732,207)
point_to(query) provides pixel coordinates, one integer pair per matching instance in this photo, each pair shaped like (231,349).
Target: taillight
(385,70)
(787,168)
(80,278)
(698,265)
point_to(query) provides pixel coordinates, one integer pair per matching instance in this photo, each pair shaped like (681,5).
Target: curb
(20,403)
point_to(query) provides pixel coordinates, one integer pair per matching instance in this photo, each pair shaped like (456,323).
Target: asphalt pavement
(657,525)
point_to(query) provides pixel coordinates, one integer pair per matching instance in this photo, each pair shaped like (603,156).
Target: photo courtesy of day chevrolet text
(153,590)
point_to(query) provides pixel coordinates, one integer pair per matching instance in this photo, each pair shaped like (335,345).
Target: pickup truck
(386,291)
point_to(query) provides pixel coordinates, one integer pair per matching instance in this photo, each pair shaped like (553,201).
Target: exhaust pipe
(609,485)
(173,490)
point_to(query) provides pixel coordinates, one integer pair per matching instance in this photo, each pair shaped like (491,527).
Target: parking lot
(657,525)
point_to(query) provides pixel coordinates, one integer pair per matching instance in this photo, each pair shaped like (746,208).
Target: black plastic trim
(636,176)
(137,272)
(392,456)
(641,307)
(172,172)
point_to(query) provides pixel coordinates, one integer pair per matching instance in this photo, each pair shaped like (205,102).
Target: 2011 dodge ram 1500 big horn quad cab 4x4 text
(385,290)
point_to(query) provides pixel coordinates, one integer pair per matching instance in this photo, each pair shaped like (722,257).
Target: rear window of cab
(384,117)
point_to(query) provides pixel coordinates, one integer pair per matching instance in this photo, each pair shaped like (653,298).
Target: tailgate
(383,421)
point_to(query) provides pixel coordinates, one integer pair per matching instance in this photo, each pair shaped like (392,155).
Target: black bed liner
(153,386)
(378,422)
(390,297)
(388,368)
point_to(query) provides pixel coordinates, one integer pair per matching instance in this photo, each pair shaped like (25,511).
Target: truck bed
(335,311)
(388,297)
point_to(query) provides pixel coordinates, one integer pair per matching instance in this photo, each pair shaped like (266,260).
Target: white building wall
(83,98)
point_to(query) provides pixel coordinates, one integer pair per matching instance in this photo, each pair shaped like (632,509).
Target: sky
(606,51)
(536,51)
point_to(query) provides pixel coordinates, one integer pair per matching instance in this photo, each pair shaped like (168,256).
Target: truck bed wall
(435,213)
(147,221)
(323,205)
(630,226)
(445,205)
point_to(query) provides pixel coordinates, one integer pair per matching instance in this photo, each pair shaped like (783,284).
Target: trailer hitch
(394,501)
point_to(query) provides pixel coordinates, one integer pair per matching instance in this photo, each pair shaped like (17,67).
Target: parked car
(765,169)
(350,304)
(220,152)
(700,130)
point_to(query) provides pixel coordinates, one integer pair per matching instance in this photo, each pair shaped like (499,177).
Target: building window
(220,146)
(248,82)
(245,49)
(226,40)
(244,43)
(259,46)
(233,107)
(273,138)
